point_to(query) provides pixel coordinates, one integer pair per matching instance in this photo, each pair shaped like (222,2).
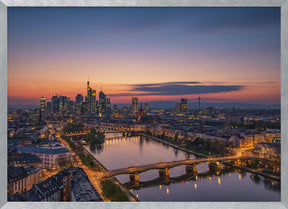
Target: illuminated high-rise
(49,108)
(84,109)
(88,86)
(78,104)
(93,102)
(89,98)
(183,105)
(108,107)
(64,105)
(42,105)
(71,109)
(115,110)
(101,107)
(199,103)
(55,103)
(134,107)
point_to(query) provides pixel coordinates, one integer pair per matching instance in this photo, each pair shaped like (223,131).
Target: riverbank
(175,146)
(131,196)
(276,178)
(92,175)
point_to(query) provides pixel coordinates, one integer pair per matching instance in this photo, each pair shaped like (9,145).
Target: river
(227,185)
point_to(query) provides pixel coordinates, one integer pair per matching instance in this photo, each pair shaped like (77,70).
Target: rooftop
(42,150)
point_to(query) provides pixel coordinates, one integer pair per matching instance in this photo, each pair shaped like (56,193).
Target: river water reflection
(227,185)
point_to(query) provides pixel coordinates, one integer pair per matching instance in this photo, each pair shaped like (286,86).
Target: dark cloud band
(177,88)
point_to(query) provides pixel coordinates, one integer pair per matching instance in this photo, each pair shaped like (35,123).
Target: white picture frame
(4,4)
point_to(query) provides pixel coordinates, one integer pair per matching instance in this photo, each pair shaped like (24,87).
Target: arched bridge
(164,167)
(185,177)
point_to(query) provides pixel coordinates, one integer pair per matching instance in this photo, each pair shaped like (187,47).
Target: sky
(223,54)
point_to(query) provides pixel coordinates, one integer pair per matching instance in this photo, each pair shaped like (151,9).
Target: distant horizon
(227,55)
(170,104)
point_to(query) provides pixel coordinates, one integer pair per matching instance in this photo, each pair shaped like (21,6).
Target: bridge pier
(164,172)
(215,166)
(191,169)
(248,161)
(238,162)
(105,178)
(134,177)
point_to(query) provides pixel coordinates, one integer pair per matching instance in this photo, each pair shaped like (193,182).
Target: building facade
(21,179)
(51,158)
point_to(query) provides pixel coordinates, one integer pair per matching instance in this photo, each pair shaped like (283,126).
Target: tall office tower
(108,107)
(49,108)
(84,109)
(64,105)
(146,107)
(102,103)
(183,105)
(71,109)
(199,103)
(88,87)
(114,110)
(55,104)
(93,102)
(61,104)
(134,107)
(78,104)
(98,107)
(89,98)
(42,105)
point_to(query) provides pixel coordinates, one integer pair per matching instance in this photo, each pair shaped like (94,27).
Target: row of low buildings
(239,138)
(25,164)
(71,184)
(36,151)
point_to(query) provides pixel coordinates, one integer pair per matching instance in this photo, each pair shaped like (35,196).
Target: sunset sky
(224,54)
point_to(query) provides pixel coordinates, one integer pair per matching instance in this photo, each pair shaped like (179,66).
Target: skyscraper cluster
(62,105)
(59,104)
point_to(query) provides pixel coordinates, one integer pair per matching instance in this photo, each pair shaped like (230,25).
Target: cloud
(176,88)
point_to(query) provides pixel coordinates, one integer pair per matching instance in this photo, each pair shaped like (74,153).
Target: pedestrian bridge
(164,167)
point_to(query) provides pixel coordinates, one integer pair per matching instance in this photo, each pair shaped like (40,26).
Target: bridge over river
(164,167)
(162,180)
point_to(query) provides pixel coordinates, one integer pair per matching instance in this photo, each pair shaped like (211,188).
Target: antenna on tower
(88,84)
(199,102)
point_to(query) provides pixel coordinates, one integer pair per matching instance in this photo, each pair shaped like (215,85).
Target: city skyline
(144,104)
(155,54)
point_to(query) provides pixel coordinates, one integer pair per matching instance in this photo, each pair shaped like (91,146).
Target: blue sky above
(223,49)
